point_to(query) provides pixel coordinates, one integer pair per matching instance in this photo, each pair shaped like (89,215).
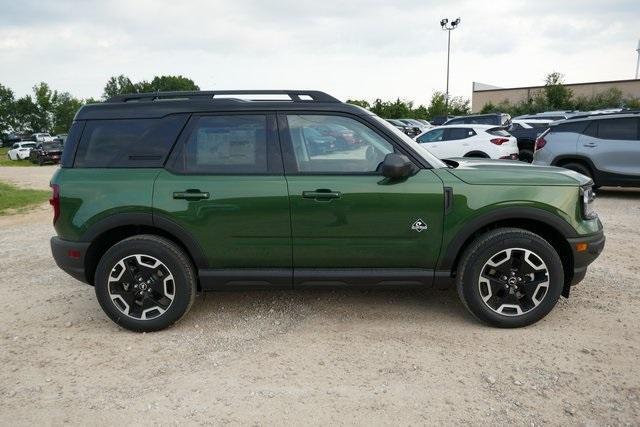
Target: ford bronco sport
(162,195)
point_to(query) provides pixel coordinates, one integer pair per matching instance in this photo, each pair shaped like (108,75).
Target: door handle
(590,144)
(191,194)
(321,194)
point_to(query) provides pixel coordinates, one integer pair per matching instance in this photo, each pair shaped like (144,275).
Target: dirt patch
(36,177)
(320,357)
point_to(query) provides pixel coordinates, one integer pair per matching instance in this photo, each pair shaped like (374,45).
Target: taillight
(499,141)
(540,142)
(55,201)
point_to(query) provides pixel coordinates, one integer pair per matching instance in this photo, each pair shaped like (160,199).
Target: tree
(7,110)
(557,95)
(65,107)
(43,119)
(119,85)
(167,84)
(26,115)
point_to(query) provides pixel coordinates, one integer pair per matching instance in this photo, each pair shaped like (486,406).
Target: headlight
(588,196)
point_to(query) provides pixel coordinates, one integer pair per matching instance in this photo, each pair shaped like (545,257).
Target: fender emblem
(419,225)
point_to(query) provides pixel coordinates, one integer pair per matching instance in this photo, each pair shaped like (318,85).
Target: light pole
(448,26)
(638,63)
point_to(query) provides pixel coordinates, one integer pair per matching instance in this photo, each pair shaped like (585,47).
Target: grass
(14,199)
(4,159)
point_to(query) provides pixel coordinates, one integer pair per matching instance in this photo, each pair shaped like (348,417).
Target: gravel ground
(319,357)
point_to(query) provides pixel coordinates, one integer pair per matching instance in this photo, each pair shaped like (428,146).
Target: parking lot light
(448,27)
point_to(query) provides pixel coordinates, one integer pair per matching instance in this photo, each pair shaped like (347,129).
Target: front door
(224,185)
(344,213)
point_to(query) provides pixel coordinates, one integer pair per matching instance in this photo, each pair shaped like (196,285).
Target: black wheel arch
(477,154)
(547,225)
(112,229)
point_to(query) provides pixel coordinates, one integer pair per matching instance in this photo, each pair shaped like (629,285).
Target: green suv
(162,195)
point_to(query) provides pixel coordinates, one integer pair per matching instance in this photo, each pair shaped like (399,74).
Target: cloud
(353,48)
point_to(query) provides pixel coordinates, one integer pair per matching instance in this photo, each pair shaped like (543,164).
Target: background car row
(603,144)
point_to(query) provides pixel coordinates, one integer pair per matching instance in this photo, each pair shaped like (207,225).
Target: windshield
(426,155)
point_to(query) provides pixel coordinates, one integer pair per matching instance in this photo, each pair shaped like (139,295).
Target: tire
(164,301)
(477,155)
(500,310)
(525,155)
(580,168)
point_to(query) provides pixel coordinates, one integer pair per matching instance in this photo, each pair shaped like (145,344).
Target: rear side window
(233,144)
(128,143)
(576,127)
(621,129)
(458,133)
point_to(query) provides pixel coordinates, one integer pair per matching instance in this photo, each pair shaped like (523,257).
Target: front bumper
(70,257)
(582,258)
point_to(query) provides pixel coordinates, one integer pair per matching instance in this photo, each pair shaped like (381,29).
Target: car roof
(532,120)
(468,125)
(599,116)
(160,104)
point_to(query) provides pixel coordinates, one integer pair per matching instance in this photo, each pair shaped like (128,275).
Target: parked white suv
(20,150)
(486,141)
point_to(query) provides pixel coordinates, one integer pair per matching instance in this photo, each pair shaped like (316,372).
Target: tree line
(48,110)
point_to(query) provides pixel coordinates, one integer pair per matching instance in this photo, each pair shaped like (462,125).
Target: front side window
(234,144)
(335,144)
(431,136)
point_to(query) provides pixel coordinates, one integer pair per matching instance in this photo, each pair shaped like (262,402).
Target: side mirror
(396,166)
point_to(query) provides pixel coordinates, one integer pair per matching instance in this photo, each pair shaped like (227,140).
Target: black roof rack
(294,95)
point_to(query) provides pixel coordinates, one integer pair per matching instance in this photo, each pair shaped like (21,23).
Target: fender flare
(149,219)
(448,257)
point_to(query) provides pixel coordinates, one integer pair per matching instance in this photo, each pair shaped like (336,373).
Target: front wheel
(510,278)
(145,283)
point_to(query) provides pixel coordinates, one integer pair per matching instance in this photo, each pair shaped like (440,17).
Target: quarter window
(335,144)
(130,143)
(624,128)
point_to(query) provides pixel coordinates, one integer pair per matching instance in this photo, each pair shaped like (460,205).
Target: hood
(507,172)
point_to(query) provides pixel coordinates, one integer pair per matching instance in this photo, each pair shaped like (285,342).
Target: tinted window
(130,143)
(335,144)
(431,136)
(577,127)
(234,144)
(625,129)
(536,125)
(458,133)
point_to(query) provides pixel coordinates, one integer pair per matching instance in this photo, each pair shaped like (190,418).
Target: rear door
(613,145)
(224,185)
(344,214)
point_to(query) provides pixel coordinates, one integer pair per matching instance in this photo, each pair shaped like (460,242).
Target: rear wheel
(477,154)
(510,277)
(145,283)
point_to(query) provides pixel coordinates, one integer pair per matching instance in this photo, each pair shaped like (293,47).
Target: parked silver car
(605,147)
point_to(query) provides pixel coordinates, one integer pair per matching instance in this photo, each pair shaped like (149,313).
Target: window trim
(288,154)
(275,164)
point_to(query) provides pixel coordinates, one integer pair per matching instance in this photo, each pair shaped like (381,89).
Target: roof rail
(294,95)
(596,114)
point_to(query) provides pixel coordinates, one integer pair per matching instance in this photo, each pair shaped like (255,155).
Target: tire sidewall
(484,252)
(183,281)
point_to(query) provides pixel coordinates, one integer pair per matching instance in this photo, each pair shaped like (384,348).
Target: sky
(352,49)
